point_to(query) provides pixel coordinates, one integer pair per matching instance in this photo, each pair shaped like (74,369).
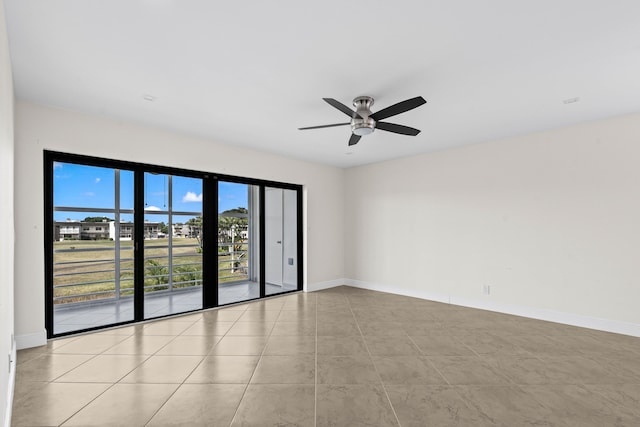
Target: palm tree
(158,272)
(195,229)
(231,224)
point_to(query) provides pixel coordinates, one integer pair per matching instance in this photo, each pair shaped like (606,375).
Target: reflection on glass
(238,268)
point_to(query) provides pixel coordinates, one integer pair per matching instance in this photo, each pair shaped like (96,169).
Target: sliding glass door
(92,262)
(281,240)
(127,242)
(238,237)
(172,244)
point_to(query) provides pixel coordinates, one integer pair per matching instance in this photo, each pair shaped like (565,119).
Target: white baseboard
(607,325)
(311,287)
(10,387)
(31,340)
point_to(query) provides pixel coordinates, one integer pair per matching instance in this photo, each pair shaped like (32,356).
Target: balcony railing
(89,272)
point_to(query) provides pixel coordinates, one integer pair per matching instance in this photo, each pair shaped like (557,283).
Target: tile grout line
(100,394)
(83,363)
(375,368)
(429,360)
(194,368)
(254,369)
(88,403)
(454,387)
(155,354)
(246,386)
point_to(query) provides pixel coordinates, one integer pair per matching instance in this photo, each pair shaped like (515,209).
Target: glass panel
(83,186)
(126,232)
(92,265)
(187,194)
(281,241)
(173,245)
(156,192)
(187,261)
(126,190)
(238,260)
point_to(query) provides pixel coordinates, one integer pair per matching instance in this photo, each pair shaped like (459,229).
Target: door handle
(279,242)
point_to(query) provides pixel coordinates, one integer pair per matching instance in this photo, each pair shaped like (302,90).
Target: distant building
(185,230)
(94,230)
(105,230)
(151,230)
(126,230)
(179,230)
(68,230)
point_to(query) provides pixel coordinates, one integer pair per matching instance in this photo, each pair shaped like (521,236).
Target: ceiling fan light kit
(363,121)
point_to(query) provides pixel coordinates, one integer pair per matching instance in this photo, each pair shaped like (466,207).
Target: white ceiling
(249,73)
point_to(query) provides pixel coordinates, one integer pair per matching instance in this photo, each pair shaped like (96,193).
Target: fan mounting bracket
(363,103)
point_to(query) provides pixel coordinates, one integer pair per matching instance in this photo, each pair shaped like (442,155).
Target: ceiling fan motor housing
(364,124)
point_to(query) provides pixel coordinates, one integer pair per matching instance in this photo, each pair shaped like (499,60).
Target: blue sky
(93,187)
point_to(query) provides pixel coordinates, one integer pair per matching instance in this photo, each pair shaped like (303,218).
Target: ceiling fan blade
(398,108)
(392,127)
(354,139)
(325,126)
(340,106)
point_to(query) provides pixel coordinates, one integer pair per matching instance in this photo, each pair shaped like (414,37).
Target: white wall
(6,219)
(551,221)
(39,128)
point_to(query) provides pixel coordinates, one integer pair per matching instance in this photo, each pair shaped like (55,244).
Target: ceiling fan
(363,122)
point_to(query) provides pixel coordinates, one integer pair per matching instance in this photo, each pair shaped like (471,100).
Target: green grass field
(88,267)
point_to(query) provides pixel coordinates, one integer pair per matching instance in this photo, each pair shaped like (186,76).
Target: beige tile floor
(339,357)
